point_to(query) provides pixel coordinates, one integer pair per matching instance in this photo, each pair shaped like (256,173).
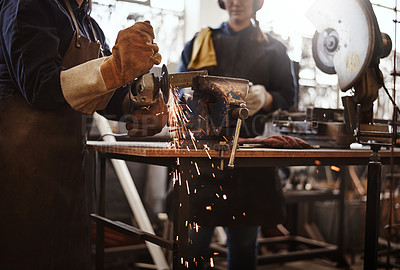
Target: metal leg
(342,262)
(372,213)
(101,211)
(132,195)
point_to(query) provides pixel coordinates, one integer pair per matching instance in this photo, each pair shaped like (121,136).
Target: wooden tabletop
(163,150)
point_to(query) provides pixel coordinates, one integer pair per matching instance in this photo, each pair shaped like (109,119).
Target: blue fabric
(35,35)
(241,243)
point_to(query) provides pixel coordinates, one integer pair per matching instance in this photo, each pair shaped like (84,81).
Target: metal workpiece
(216,106)
(233,90)
(144,90)
(185,79)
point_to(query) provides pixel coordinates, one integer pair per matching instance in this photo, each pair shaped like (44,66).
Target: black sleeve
(30,43)
(283,83)
(113,111)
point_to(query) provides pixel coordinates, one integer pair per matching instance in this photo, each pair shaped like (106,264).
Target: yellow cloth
(203,53)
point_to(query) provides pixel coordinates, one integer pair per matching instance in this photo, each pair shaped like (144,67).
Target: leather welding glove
(147,121)
(88,87)
(258,98)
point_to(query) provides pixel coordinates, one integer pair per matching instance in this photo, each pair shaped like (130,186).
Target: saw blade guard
(345,38)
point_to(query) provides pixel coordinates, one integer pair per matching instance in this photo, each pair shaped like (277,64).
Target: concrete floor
(316,264)
(142,261)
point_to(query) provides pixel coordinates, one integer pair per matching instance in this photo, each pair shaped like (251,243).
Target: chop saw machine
(349,43)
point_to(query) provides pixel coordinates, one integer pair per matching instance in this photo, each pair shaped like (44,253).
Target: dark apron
(238,197)
(44,219)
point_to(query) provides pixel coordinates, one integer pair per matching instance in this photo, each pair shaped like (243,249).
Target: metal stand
(101,211)
(134,201)
(372,212)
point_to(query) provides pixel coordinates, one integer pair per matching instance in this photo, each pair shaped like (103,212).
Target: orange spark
(187,186)
(197,168)
(334,168)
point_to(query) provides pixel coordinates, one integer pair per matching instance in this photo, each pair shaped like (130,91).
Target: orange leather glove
(147,121)
(89,86)
(133,54)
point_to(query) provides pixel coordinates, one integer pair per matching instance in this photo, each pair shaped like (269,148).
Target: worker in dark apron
(55,68)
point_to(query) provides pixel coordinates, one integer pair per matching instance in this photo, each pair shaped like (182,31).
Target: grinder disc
(344,40)
(165,83)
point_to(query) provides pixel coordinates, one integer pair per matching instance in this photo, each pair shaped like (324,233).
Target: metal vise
(217,104)
(217,110)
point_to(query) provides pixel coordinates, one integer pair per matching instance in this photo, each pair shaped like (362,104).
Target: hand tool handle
(235,143)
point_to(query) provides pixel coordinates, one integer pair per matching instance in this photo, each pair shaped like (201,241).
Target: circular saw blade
(348,23)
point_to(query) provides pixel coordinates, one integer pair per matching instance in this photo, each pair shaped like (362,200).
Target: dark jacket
(245,196)
(34,38)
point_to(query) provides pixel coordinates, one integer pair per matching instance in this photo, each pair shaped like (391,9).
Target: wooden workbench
(161,153)
(182,160)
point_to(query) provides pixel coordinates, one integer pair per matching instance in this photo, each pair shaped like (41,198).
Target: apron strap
(95,36)
(77,32)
